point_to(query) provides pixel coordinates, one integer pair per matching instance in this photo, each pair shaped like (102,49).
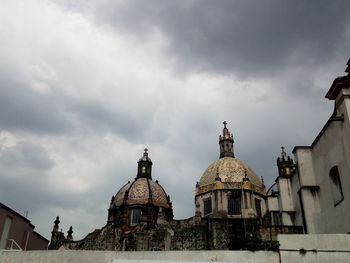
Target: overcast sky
(86,85)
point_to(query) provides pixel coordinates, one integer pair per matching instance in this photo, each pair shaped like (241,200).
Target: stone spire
(144,166)
(226,143)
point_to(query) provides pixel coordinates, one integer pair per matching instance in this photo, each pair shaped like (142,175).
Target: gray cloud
(244,37)
(26,155)
(23,109)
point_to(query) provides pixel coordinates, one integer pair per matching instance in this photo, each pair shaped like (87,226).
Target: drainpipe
(25,246)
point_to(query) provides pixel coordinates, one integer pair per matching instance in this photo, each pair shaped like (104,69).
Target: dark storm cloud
(26,155)
(247,37)
(101,118)
(25,110)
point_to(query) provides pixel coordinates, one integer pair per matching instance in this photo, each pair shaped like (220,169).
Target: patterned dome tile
(158,194)
(139,189)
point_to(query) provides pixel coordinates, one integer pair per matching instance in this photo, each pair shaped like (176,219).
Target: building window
(135,216)
(337,190)
(234,203)
(276,218)
(207,207)
(258,207)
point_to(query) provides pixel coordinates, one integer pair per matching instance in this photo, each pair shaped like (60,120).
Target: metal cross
(224,123)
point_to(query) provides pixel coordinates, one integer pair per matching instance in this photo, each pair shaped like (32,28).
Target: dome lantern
(226,143)
(144,166)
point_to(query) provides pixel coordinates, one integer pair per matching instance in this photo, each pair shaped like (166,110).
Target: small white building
(315,190)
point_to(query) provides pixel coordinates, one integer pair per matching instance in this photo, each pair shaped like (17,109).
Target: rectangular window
(276,217)
(135,216)
(234,203)
(258,207)
(207,207)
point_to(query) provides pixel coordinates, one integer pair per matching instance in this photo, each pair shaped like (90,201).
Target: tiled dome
(229,170)
(142,191)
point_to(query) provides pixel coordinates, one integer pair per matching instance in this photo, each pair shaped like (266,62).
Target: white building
(314,191)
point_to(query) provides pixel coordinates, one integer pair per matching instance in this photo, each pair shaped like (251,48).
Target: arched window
(234,203)
(337,190)
(135,216)
(258,207)
(207,207)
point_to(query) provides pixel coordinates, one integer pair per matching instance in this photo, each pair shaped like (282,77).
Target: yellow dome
(230,170)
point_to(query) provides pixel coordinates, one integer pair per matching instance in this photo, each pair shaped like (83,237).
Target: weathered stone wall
(272,232)
(189,234)
(189,238)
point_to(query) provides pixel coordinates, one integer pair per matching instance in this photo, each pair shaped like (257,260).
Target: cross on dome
(283,153)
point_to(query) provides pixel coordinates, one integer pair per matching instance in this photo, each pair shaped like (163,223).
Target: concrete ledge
(322,248)
(336,242)
(133,257)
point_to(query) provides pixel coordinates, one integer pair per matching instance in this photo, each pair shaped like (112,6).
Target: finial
(283,153)
(224,123)
(70,232)
(57,221)
(262,180)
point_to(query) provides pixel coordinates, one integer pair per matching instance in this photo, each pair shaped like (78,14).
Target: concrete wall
(315,248)
(161,256)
